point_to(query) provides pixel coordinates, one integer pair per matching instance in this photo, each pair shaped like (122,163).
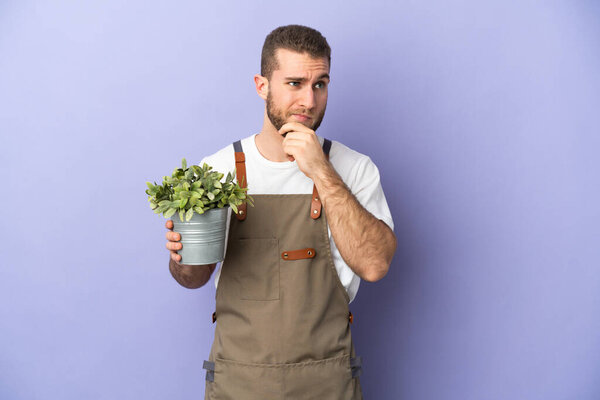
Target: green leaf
(189,214)
(199,210)
(211,195)
(234,208)
(181,215)
(218,185)
(170,212)
(183,164)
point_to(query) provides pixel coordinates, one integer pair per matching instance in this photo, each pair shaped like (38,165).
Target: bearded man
(320,223)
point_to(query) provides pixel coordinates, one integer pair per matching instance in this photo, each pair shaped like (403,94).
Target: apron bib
(283,323)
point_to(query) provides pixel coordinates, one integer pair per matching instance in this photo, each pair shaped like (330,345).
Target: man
(290,270)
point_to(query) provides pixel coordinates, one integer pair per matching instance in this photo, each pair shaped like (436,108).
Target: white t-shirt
(357,171)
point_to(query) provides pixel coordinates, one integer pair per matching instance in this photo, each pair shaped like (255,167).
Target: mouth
(301,117)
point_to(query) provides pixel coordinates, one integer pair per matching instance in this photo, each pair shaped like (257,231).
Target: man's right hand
(189,276)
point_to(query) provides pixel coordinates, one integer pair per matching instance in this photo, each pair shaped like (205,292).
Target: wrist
(328,182)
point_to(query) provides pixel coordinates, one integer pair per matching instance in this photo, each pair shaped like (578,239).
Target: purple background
(482,118)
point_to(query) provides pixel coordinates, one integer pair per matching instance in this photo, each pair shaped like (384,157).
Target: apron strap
(315,206)
(240,173)
(356,366)
(209,366)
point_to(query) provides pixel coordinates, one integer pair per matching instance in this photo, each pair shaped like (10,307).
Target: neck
(269,142)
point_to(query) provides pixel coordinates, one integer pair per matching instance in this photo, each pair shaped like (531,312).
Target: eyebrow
(304,79)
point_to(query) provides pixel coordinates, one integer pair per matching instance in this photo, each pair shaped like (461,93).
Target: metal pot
(202,237)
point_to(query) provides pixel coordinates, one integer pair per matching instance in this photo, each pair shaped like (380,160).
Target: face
(298,90)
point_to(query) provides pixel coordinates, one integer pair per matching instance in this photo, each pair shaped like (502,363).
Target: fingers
(175,257)
(174,246)
(173,241)
(294,126)
(173,236)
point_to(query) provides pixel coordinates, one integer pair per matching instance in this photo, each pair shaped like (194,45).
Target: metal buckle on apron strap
(298,254)
(356,366)
(315,205)
(214,317)
(209,366)
(350,317)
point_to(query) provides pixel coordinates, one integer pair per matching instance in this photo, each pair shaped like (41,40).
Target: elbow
(380,267)
(377,272)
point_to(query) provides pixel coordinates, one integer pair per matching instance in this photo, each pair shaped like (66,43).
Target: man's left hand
(302,144)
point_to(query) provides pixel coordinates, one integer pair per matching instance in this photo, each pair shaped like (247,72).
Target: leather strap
(315,205)
(240,173)
(298,254)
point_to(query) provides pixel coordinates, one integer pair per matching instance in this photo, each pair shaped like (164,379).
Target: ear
(262,86)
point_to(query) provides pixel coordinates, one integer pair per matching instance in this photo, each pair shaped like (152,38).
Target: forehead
(291,63)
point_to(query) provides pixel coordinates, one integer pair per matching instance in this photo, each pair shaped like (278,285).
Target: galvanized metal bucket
(202,237)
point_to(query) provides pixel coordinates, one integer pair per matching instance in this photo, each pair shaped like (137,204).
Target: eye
(292,83)
(320,83)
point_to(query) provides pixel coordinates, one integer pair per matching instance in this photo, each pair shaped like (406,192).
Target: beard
(278,118)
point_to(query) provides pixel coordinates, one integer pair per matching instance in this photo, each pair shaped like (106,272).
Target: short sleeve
(367,189)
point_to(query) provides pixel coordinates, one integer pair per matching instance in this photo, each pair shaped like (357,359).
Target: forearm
(191,276)
(365,243)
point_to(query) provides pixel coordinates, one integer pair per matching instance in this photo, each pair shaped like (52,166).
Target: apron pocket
(236,381)
(330,378)
(255,266)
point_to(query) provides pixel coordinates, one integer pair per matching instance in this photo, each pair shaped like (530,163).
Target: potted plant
(197,202)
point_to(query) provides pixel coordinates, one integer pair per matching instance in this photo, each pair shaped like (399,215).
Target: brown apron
(283,323)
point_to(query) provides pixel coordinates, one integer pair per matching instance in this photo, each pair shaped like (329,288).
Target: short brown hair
(298,38)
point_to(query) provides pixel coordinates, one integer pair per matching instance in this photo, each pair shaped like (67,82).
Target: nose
(307,99)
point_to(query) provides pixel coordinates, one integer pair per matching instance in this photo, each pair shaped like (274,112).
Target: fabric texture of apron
(283,323)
